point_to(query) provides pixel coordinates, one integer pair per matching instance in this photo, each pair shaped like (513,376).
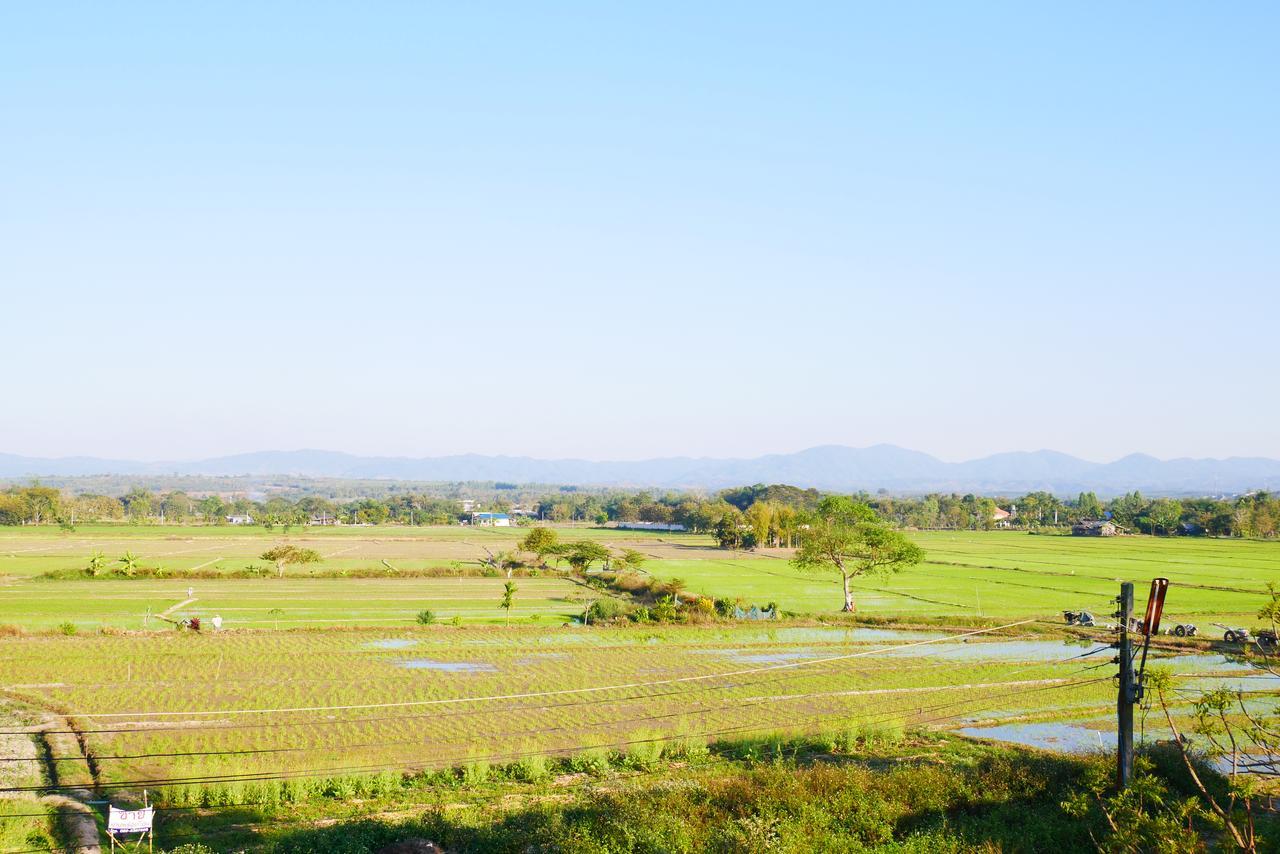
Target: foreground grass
(923,793)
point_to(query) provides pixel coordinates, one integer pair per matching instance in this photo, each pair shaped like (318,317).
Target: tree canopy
(283,556)
(540,541)
(582,554)
(836,543)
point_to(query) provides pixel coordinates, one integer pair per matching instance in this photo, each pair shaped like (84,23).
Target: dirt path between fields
(79,827)
(167,611)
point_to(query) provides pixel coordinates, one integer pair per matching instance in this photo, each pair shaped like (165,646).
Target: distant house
(239,520)
(650,526)
(1001,517)
(325,519)
(1094,528)
(495,520)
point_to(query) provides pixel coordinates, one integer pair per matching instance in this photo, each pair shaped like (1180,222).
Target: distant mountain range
(829,467)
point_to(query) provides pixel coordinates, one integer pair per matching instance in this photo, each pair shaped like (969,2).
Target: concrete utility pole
(1128,693)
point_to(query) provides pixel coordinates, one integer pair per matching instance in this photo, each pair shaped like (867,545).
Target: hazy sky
(628,230)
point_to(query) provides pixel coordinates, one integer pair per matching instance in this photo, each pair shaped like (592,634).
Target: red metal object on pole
(1155,606)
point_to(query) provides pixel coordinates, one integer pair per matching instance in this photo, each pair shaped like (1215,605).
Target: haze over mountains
(830,467)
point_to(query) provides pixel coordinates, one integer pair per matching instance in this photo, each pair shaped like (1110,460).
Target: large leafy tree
(283,556)
(540,541)
(582,554)
(846,538)
(1163,515)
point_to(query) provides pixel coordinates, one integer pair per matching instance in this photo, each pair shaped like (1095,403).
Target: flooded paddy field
(165,706)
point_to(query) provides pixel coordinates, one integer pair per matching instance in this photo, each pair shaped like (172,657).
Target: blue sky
(620,231)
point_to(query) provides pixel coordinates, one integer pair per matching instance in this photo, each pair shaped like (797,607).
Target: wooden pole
(1126,694)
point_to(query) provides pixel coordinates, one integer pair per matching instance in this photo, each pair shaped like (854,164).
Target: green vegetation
(287,555)
(164,704)
(745,517)
(767,794)
(553,685)
(508,599)
(965,575)
(846,537)
(829,791)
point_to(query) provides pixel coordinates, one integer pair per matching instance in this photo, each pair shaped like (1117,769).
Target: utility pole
(1128,693)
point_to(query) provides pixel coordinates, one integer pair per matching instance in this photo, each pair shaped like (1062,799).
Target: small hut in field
(1094,528)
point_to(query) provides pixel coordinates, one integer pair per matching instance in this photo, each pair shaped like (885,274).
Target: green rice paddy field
(201,718)
(967,574)
(326,723)
(1012,574)
(334,710)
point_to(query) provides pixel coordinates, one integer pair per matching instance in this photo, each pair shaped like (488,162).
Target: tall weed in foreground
(531,767)
(476,771)
(590,760)
(645,750)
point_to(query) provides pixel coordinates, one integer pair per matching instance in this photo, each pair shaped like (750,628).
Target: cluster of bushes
(657,601)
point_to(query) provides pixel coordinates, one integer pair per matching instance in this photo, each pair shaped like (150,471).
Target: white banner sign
(129,821)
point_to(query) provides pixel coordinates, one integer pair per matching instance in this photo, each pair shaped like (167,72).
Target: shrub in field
(67,628)
(10,630)
(604,610)
(426,617)
(592,760)
(339,788)
(665,611)
(686,744)
(383,784)
(475,772)
(645,751)
(531,768)
(888,732)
